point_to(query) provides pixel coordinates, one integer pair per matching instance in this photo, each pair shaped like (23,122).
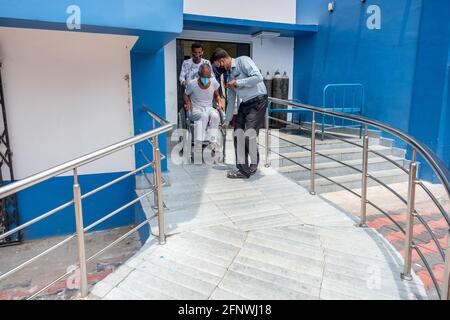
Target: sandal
(236,175)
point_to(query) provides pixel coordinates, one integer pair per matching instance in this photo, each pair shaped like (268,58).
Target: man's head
(221,59)
(197,52)
(204,73)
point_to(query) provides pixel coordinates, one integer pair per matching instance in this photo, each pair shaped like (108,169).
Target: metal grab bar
(78,198)
(436,164)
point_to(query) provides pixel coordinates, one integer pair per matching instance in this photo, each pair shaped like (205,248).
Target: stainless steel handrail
(418,216)
(155,117)
(379,154)
(78,197)
(436,164)
(81,161)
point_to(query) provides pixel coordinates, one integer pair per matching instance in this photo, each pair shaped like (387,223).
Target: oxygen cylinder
(276,85)
(278,93)
(285,86)
(268,79)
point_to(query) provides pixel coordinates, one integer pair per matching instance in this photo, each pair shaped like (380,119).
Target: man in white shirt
(189,70)
(199,96)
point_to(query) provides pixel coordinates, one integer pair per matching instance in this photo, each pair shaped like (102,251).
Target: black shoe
(236,175)
(253,169)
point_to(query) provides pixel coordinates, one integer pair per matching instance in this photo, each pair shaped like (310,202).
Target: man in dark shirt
(246,81)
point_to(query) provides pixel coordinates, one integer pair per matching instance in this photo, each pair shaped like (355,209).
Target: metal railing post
(267,164)
(159,193)
(446,289)
(365,178)
(406,275)
(155,194)
(313,154)
(80,234)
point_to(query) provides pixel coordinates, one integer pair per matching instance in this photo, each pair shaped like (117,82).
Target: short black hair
(219,54)
(197,45)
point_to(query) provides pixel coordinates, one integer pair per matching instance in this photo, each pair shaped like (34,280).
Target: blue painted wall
(444,131)
(156,22)
(429,103)
(47,195)
(403,66)
(148,82)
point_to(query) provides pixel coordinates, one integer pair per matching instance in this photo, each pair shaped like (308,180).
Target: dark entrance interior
(184,53)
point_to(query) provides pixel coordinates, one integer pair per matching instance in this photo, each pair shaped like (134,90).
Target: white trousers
(207,121)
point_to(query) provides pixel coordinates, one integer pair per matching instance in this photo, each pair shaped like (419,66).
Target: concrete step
(172,271)
(345,131)
(168,287)
(333,169)
(342,154)
(285,143)
(276,269)
(256,289)
(294,262)
(222,294)
(353,181)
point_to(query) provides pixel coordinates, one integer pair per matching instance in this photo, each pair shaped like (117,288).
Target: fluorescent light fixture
(266,34)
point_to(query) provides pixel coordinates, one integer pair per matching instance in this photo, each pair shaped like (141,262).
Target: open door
(184,53)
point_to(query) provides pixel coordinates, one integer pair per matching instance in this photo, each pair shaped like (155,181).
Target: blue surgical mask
(204,81)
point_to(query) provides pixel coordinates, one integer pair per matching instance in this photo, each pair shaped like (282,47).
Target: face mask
(221,70)
(204,81)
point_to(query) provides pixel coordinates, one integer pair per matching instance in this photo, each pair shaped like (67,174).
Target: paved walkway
(398,211)
(263,238)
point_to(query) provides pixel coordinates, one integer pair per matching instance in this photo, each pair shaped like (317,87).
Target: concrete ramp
(263,238)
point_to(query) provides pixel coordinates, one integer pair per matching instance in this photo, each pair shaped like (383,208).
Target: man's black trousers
(250,120)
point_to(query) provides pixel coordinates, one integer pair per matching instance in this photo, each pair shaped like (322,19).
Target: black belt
(257,99)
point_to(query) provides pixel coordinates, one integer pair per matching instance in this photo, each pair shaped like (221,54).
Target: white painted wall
(283,11)
(171,79)
(66,96)
(270,55)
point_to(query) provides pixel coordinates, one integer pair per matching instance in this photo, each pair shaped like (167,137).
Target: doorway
(184,53)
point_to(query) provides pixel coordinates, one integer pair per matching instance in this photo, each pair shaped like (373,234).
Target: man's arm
(183,74)
(187,102)
(217,98)
(254,76)
(187,97)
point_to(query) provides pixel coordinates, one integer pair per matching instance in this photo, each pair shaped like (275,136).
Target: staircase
(342,151)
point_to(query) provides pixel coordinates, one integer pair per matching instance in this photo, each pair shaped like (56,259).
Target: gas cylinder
(268,81)
(285,86)
(278,93)
(276,85)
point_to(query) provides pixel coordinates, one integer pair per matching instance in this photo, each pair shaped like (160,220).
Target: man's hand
(231,85)
(225,126)
(183,83)
(188,107)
